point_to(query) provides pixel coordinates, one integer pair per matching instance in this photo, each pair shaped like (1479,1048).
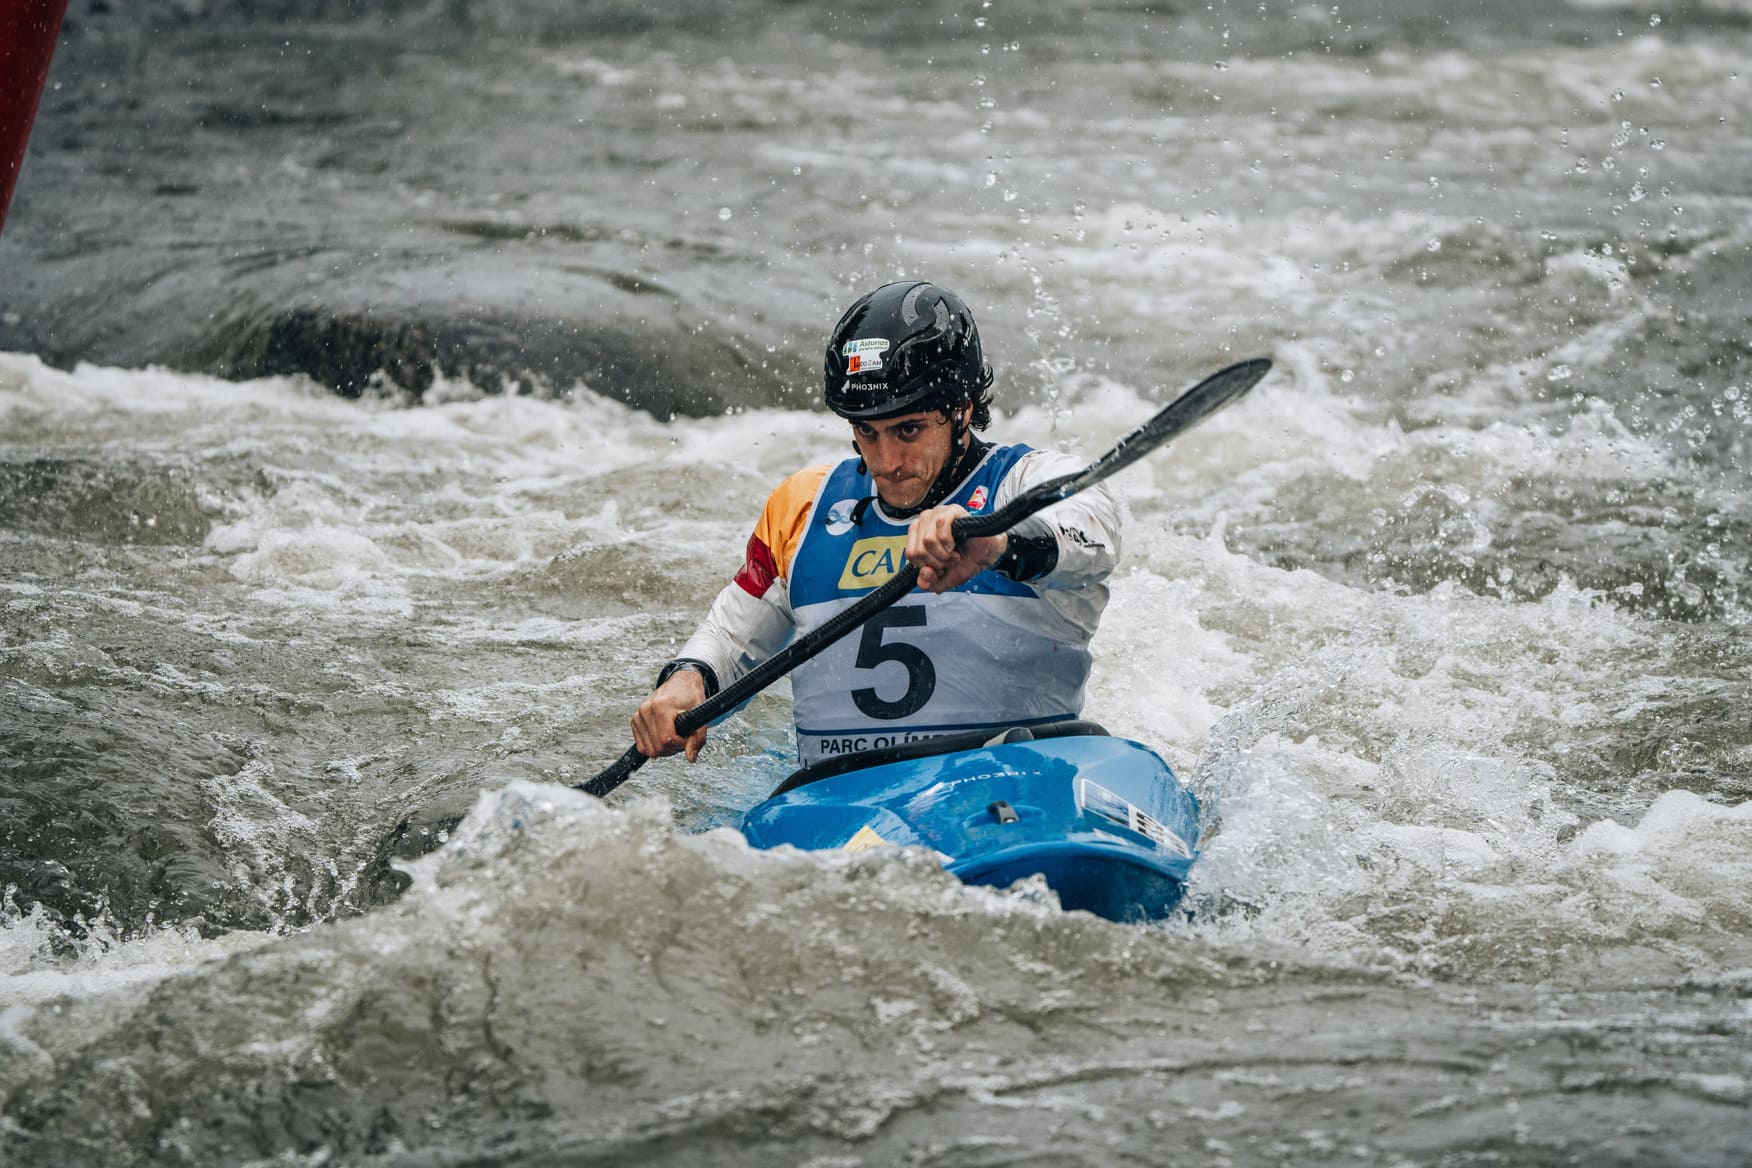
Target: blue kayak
(1104,820)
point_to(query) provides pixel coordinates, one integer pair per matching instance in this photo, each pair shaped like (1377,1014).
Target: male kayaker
(997,632)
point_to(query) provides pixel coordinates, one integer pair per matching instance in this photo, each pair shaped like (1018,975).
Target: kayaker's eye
(900,432)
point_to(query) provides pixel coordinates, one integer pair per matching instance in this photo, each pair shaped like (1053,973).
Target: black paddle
(1190,408)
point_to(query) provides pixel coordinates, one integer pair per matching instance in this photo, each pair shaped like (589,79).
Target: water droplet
(1654,20)
(1077,209)
(1582,165)
(1654,83)
(1433,245)
(724,214)
(991,179)
(1560,373)
(1347,376)
(1618,95)
(1010,196)
(979,22)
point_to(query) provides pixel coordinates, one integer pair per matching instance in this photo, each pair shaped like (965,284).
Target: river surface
(385,392)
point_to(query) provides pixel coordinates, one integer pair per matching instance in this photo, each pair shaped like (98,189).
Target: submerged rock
(652,362)
(547,333)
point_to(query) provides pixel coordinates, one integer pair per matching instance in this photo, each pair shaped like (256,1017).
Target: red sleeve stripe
(758,569)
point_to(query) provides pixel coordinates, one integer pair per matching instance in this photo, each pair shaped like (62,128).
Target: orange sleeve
(774,543)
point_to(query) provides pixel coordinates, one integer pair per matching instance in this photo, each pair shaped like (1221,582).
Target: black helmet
(903,348)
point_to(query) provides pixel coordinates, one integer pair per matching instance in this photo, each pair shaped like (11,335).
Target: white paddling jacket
(993,652)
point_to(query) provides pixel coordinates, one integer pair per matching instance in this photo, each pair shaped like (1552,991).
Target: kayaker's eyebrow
(867,430)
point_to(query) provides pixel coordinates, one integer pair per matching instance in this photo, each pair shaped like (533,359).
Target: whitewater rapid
(1445,623)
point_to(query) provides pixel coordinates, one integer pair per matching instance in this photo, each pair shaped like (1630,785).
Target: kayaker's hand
(654,721)
(942,566)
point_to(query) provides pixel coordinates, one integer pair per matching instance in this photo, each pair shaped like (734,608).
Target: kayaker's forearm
(739,632)
(1083,530)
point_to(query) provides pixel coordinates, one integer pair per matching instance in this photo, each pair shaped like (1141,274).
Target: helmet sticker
(864,356)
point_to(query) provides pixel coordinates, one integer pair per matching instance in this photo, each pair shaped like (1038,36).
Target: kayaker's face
(905,454)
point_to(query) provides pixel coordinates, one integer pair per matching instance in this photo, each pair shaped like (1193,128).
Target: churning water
(1447,622)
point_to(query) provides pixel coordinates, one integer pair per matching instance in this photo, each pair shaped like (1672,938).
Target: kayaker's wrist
(1027,557)
(706,672)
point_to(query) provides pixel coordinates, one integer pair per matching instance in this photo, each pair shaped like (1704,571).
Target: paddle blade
(1181,415)
(1186,411)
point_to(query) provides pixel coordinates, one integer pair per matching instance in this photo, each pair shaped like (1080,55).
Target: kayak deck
(1103,820)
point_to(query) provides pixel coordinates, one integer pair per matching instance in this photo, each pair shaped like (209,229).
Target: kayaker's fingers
(930,542)
(917,547)
(963,563)
(654,721)
(695,744)
(649,736)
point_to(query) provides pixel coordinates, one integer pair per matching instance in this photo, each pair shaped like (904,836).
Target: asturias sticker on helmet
(864,356)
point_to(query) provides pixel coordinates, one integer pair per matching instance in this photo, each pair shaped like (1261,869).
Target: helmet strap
(957,433)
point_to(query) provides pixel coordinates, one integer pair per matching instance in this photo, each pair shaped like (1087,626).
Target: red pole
(28,32)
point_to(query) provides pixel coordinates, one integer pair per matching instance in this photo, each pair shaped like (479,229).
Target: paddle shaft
(780,663)
(1187,410)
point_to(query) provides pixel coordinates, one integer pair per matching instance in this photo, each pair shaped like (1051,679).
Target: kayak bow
(1103,820)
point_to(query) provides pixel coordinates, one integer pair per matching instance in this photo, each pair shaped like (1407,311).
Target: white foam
(40,965)
(1345,738)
